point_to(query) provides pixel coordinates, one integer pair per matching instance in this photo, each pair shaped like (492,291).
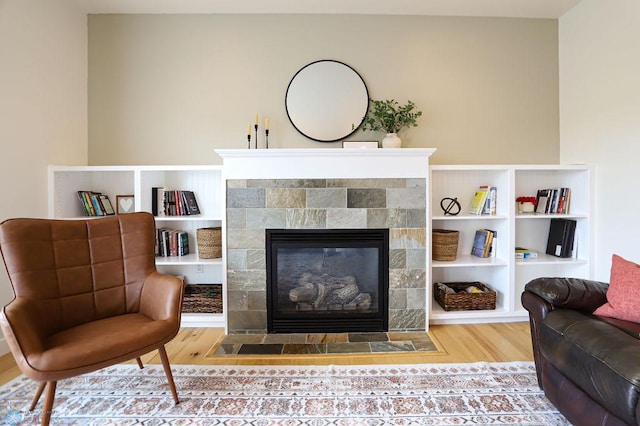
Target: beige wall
(43,107)
(600,110)
(168,89)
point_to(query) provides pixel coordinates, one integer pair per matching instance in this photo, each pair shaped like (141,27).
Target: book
(478,201)
(542,198)
(481,243)
(561,236)
(191,202)
(489,207)
(106,205)
(525,253)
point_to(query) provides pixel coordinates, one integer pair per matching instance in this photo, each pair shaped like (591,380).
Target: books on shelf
(173,202)
(556,200)
(171,242)
(561,236)
(484,243)
(95,203)
(484,201)
(525,253)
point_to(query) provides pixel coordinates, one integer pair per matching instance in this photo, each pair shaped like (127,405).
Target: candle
(256,122)
(266,124)
(249,129)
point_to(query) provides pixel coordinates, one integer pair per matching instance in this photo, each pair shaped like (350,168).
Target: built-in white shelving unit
(505,274)
(204,181)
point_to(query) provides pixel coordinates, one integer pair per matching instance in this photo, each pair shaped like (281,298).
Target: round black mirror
(326,101)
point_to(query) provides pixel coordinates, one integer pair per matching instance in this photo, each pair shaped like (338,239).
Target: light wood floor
(456,343)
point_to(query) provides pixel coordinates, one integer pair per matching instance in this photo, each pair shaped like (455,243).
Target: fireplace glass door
(327,280)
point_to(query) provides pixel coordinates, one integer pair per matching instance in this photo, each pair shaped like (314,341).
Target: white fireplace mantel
(330,163)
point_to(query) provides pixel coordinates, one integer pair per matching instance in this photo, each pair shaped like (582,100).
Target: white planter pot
(391,141)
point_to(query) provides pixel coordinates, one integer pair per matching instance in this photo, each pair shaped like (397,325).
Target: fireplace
(327,280)
(324,189)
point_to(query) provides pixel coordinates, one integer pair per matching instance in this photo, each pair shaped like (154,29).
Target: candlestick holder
(255,126)
(249,141)
(266,138)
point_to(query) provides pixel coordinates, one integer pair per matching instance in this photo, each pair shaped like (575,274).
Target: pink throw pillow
(623,295)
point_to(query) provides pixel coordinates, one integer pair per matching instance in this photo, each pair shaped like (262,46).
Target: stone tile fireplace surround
(325,189)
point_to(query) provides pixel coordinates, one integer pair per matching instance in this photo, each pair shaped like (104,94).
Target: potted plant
(390,117)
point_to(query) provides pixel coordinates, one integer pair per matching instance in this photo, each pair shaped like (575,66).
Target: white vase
(391,141)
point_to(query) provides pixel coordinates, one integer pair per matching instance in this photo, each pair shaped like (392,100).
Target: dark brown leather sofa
(587,365)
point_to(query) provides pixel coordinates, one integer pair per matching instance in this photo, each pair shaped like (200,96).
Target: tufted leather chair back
(79,271)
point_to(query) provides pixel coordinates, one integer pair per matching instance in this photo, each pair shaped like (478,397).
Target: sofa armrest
(570,293)
(161,297)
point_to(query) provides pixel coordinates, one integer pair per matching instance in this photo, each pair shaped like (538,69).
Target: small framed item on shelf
(125,204)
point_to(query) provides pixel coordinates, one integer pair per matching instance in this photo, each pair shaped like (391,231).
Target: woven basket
(444,244)
(464,301)
(209,242)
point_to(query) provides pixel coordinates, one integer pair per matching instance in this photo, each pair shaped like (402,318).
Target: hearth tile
(329,198)
(243,338)
(398,299)
(407,319)
(228,349)
(236,218)
(416,298)
(425,345)
(283,198)
(348,348)
(407,238)
(281,338)
(245,238)
(387,218)
(368,337)
(406,198)
(245,197)
(327,338)
(265,218)
(392,347)
(416,218)
(256,259)
(398,258)
(367,183)
(304,349)
(366,198)
(253,349)
(346,218)
(415,258)
(306,218)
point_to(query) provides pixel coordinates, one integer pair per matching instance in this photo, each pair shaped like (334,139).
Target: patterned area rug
(429,394)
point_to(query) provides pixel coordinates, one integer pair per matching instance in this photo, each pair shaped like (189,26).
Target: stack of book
(171,242)
(95,203)
(484,201)
(173,202)
(553,200)
(484,243)
(525,253)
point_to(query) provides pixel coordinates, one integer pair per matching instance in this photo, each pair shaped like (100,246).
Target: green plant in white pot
(390,117)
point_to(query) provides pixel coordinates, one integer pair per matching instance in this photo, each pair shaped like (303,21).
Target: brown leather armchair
(87,295)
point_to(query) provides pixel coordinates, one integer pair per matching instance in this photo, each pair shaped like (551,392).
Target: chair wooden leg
(48,403)
(167,370)
(36,397)
(140,363)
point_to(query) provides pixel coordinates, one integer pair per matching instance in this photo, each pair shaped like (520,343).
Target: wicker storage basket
(464,301)
(209,242)
(444,244)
